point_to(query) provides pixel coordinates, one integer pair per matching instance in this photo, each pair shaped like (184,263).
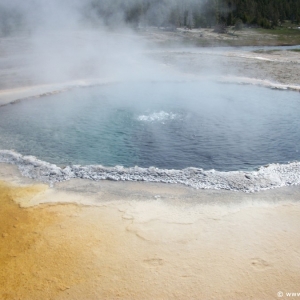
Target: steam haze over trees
(16,15)
(198,13)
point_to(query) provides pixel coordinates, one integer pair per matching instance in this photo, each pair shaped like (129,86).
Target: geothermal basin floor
(130,240)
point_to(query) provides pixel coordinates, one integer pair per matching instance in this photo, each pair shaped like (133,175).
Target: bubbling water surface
(169,125)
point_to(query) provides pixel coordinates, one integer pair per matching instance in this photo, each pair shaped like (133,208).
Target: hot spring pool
(169,125)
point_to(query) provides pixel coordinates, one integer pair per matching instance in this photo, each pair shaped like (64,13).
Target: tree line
(199,13)
(159,13)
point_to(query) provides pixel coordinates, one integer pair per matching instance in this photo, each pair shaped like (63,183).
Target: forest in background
(201,13)
(158,13)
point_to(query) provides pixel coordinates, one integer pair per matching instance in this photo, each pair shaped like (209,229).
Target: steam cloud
(54,14)
(73,39)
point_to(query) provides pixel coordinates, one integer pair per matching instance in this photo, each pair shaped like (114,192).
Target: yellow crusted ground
(146,249)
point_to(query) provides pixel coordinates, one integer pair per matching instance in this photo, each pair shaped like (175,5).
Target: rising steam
(72,39)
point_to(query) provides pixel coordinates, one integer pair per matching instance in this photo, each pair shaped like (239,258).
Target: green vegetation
(284,35)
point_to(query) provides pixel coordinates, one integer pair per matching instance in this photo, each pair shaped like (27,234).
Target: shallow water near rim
(169,125)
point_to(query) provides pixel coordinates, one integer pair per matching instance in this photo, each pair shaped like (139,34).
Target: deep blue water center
(170,125)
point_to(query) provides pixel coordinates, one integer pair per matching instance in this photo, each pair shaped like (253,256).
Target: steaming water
(171,125)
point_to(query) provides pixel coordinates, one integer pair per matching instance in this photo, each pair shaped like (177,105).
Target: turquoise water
(169,125)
